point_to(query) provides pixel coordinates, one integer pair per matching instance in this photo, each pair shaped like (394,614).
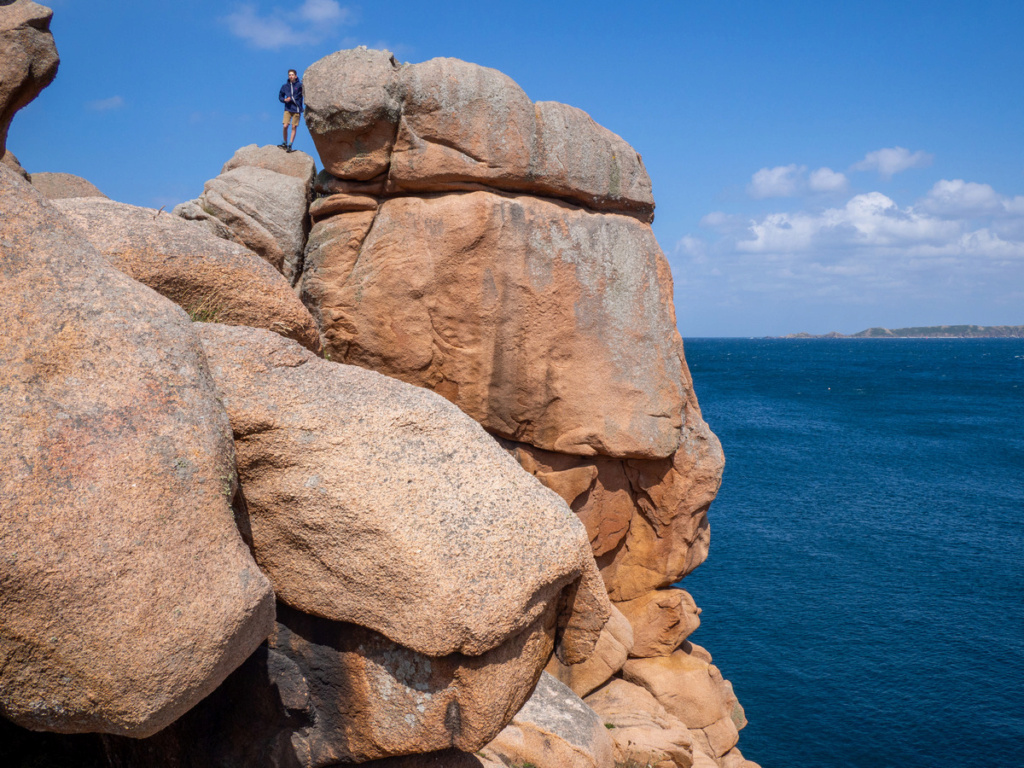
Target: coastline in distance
(925,332)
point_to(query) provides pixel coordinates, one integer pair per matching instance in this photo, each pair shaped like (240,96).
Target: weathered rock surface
(610,653)
(670,537)
(128,594)
(9,159)
(446,125)
(259,206)
(381,504)
(58,186)
(374,698)
(647,520)
(28,58)
(212,279)
(554,729)
(689,687)
(661,621)
(448,758)
(322,692)
(546,323)
(270,158)
(642,731)
(596,488)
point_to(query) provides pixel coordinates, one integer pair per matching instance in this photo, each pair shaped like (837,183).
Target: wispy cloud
(105,105)
(792,180)
(892,160)
(280,27)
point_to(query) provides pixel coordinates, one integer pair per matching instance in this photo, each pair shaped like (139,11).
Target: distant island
(926,332)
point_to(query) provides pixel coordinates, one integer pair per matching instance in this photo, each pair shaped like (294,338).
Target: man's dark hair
(292,70)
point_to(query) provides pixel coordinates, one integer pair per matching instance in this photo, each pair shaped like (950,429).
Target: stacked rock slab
(499,253)
(212,279)
(260,200)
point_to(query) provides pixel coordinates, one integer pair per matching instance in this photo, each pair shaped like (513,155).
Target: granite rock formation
(214,280)
(553,728)
(446,125)
(383,505)
(261,201)
(60,186)
(466,241)
(116,521)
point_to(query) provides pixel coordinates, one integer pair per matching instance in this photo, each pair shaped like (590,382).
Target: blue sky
(817,165)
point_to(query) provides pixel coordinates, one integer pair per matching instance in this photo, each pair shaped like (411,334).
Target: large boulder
(446,125)
(546,323)
(554,729)
(212,279)
(28,58)
(374,698)
(271,158)
(323,692)
(688,686)
(641,730)
(58,186)
(661,621)
(610,653)
(260,201)
(128,594)
(381,504)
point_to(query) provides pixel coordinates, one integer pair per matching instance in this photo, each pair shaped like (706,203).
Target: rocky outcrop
(447,125)
(28,58)
(260,200)
(212,279)
(467,241)
(59,186)
(463,242)
(553,728)
(322,692)
(11,161)
(383,505)
(116,521)
(640,728)
(661,621)
(613,648)
(548,324)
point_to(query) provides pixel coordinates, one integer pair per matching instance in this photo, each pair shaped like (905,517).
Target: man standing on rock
(291,96)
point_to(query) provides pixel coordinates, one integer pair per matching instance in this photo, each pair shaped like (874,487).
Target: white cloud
(827,180)
(963,199)
(281,27)
(960,241)
(105,105)
(781,181)
(324,12)
(892,160)
(792,180)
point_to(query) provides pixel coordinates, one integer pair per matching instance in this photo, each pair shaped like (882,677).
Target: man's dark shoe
(282,145)
(289,148)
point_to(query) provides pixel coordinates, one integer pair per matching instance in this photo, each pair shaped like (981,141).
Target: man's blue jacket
(294,90)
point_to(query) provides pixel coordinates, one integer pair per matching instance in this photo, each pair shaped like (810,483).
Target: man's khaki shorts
(292,117)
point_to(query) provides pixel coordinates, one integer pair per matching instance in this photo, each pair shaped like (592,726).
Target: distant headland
(926,332)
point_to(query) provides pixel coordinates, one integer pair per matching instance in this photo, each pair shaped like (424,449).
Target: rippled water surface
(865,588)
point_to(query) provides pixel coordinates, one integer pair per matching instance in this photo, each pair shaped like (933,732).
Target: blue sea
(865,587)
